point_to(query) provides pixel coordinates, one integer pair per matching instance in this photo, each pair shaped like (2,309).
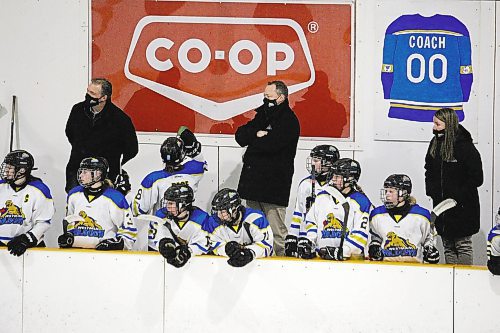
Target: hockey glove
(167,248)
(305,248)
(494,265)
(309,202)
(431,254)
(331,253)
(192,145)
(232,248)
(122,183)
(66,240)
(291,246)
(375,252)
(241,257)
(110,244)
(19,244)
(182,255)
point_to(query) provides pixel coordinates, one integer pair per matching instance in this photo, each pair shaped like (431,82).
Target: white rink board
(210,296)
(477,301)
(11,277)
(88,291)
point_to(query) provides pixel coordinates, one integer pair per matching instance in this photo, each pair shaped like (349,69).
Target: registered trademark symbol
(313,27)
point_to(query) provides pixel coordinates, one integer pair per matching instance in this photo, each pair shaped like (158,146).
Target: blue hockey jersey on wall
(426,66)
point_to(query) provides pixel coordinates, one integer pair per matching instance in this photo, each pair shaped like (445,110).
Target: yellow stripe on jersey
(359,239)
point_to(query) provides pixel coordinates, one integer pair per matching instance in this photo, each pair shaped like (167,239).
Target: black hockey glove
(291,246)
(122,183)
(305,248)
(309,202)
(241,257)
(182,255)
(375,252)
(431,254)
(66,240)
(232,248)
(19,244)
(192,145)
(494,265)
(331,253)
(110,244)
(167,248)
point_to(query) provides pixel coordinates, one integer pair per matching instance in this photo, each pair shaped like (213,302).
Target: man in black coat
(453,169)
(266,178)
(98,128)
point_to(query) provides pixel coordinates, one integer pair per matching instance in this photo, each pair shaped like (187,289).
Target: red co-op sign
(207,71)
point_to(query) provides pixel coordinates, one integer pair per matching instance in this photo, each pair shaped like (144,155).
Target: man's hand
(261,133)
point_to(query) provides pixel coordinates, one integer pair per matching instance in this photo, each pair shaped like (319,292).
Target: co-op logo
(279,58)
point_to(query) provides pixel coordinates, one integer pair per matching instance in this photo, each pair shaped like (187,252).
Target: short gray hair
(106,87)
(281,87)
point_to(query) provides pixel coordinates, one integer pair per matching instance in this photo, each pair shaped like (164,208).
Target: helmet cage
(327,154)
(182,195)
(21,161)
(348,169)
(229,201)
(98,168)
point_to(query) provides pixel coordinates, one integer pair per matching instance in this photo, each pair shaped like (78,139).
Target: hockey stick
(160,221)
(442,207)
(346,207)
(310,200)
(14,109)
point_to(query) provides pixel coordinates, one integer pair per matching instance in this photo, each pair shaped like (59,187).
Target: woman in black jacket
(453,169)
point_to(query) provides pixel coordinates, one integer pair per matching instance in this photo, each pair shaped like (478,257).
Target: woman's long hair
(446,151)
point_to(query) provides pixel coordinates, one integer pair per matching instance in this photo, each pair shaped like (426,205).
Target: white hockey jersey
(494,242)
(254,232)
(325,219)
(297,225)
(191,232)
(28,209)
(105,216)
(150,194)
(401,240)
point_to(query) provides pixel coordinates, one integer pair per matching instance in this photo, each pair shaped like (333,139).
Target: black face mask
(91,101)
(270,103)
(438,134)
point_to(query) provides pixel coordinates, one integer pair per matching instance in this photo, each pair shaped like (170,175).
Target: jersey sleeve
(43,212)
(297,224)
(357,238)
(311,222)
(493,249)
(145,198)
(387,74)
(121,217)
(262,236)
(376,238)
(466,76)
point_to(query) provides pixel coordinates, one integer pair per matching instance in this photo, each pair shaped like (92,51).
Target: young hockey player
(26,204)
(97,216)
(179,169)
(239,233)
(318,164)
(494,247)
(181,232)
(400,229)
(327,231)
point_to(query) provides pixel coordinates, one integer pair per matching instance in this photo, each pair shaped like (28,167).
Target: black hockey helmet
(182,195)
(23,164)
(98,166)
(349,169)
(226,200)
(400,182)
(192,145)
(328,155)
(172,151)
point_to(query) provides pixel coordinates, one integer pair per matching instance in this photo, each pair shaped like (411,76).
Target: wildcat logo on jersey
(11,214)
(332,227)
(395,246)
(86,228)
(234,45)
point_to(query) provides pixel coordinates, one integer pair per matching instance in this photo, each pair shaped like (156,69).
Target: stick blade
(443,206)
